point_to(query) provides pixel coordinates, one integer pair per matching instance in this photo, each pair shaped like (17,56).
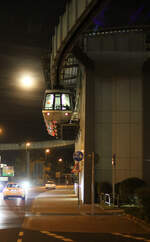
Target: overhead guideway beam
(75,19)
(37,145)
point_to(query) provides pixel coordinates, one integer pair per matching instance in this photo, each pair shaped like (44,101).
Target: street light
(1,131)
(28,158)
(60,160)
(47,151)
(27,81)
(28,144)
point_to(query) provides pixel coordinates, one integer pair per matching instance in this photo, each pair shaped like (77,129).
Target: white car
(50,185)
(13,189)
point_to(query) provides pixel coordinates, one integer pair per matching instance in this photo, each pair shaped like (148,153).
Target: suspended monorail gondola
(57,109)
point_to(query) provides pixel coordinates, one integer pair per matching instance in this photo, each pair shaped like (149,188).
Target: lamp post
(60,160)
(92,182)
(28,159)
(113,176)
(47,151)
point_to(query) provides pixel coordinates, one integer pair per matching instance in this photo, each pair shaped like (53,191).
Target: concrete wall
(118,115)
(118,104)
(114,107)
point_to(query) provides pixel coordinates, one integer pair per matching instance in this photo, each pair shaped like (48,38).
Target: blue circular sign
(78,155)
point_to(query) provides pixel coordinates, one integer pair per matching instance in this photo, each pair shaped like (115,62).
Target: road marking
(131,237)
(21,233)
(68,240)
(57,236)
(44,232)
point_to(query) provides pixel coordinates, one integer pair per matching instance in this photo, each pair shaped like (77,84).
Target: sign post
(113,177)
(92,184)
(78,156)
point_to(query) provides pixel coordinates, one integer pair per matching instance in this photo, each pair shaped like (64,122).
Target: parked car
(50,185)
(13,189)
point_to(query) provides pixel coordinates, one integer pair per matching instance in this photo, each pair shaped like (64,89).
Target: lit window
(65,102)
(57,102)
(49,101)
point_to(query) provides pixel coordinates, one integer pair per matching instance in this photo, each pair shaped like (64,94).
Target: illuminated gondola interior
(59,104)
(57,109)
(57,101)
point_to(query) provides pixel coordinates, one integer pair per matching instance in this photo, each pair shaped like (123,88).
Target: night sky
(26,28)
(25,31)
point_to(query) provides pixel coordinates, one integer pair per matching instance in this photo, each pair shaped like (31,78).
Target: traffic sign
(76,168)
(78,156)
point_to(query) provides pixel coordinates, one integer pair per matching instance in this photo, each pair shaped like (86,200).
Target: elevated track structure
(36,145)
(109,42)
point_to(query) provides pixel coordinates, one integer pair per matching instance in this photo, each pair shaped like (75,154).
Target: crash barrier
(107,199)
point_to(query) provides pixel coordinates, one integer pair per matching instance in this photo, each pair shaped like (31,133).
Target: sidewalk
(65,201)
(59,211)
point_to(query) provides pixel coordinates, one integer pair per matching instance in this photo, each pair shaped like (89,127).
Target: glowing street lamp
(60,159)
(1,131)
(26,81)
(28,144)
(47,151)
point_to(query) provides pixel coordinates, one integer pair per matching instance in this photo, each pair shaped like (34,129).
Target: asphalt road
(55,216)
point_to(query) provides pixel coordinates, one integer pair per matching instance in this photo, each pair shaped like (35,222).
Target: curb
(139,221)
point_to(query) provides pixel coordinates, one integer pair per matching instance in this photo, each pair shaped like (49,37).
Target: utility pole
(113,176)
(92,183)
(28,159)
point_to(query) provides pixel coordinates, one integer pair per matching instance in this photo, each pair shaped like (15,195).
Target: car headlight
(26,184)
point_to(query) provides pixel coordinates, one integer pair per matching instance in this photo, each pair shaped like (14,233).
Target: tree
(128,187)
(143,198)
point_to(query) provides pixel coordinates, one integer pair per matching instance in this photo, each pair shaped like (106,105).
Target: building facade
(111,108)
